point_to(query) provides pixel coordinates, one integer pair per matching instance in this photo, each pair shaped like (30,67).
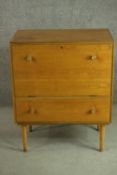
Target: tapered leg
(24,137)
(102,132)
(30,128)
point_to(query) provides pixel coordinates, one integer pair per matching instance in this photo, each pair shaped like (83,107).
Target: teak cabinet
(62,76)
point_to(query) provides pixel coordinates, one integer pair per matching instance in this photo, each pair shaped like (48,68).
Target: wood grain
(62,35)
(61,88)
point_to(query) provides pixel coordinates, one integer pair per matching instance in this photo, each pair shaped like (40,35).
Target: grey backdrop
(23,14)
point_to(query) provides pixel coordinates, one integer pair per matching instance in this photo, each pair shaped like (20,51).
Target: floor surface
(57,149)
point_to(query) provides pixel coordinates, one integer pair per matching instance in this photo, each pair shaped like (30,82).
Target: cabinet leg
(30,128)
(102,132)
(24,137)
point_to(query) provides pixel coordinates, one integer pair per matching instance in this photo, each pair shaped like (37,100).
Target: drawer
(61,69)
(68,110)
(61,61)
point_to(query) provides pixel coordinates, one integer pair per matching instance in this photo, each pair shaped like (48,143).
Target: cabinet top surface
(62,36)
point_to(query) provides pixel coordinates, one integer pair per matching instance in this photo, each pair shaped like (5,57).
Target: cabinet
(62,76)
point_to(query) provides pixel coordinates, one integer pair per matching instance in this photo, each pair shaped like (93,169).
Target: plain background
(31,14)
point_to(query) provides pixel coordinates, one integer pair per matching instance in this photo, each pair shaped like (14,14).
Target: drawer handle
(29,58)
(93,57)
(93,110)
(31,111)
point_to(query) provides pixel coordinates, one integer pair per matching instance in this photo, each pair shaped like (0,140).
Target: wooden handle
(31,110)
(93,57)
(93,110)
(29,58)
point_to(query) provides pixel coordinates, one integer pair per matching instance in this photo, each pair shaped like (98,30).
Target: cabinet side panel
(12,83)
(112,82)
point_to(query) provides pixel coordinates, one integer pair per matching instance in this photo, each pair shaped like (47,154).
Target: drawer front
(61,68)
(61,61)
(82,110)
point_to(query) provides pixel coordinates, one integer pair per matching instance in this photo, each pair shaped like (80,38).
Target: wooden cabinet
(62,76)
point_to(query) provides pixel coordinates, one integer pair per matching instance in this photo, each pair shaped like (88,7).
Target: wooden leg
(30,128)
(102,130)
(24,137)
